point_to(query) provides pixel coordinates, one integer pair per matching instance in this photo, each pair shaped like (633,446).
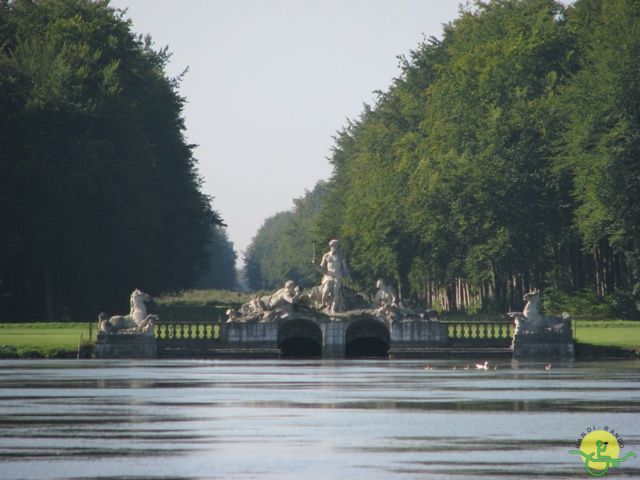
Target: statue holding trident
(334,269)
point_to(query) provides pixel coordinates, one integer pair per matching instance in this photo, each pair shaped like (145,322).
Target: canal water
(359,419)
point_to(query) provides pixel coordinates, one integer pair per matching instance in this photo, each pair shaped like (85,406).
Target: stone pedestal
(333,334)
(252,332)
(417,337)
(416,330)
(126,345)
(543,345)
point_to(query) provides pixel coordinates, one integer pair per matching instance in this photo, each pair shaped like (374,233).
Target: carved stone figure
(261,307)
(232,315)
(137,304)
(289,294)
(138,321)
(533,317)
(532,321)
(334,269)
(538,336)
(385,294)
(311,298)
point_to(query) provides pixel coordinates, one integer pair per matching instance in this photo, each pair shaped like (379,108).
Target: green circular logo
(600,451)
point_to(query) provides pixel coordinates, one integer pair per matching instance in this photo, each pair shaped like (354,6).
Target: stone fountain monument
(338,316)
(539,336)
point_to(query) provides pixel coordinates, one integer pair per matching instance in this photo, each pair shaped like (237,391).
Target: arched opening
(367,338)
(300,339)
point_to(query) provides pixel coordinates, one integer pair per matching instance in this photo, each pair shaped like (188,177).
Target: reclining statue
(138,321)
(289,294)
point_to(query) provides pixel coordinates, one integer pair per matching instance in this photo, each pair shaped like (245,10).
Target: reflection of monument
(539,336)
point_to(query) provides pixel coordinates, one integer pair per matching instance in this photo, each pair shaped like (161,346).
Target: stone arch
(300,338)
(367,338)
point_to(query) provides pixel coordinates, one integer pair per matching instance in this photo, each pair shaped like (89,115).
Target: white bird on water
(547,366)
(482,367)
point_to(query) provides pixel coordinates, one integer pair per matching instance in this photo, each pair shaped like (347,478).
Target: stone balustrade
(167,331)
(481,334)
(189,339)
(206,338)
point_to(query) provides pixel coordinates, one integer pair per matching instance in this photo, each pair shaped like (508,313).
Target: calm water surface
(309,419)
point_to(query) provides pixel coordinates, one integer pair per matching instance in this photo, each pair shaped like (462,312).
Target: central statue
(330,299)
(334,269)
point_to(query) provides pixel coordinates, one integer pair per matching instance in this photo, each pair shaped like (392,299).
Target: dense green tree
(283,248)
(449,176)
(100,192)
(486,168)
(504,157)
(221,263)
(601,148)
(264,268)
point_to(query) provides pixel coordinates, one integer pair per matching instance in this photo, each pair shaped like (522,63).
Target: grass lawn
(609,333)
(199,305)
(42,339)
(207,297)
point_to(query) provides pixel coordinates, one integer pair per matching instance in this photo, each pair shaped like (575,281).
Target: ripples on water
(309,419)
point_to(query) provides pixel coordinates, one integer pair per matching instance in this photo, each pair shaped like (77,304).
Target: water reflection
(313,418)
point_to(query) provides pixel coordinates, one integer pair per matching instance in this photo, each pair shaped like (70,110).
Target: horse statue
(532,320)
(138,321)
(385,294)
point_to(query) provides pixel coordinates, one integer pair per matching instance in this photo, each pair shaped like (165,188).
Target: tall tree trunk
(466,296)
(597,272)
(494,293)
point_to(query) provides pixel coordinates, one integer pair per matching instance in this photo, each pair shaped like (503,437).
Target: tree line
(99,191)
(505,157)
(285,246)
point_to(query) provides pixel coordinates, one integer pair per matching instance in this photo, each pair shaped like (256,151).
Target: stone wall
(129,345)
(544,345)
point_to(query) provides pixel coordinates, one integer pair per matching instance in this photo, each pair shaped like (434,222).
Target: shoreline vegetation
(595,337)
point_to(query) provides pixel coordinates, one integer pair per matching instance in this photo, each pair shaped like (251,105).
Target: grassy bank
(33,340)
(609,333)
(199,305)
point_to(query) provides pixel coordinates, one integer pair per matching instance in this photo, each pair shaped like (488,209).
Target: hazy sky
(271,81)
